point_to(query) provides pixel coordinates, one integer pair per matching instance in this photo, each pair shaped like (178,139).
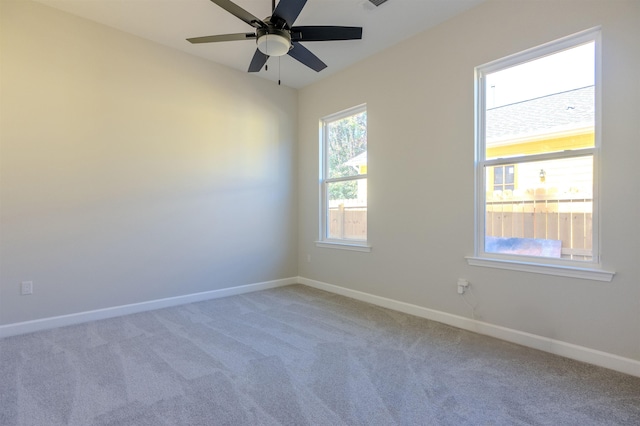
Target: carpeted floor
(296,356)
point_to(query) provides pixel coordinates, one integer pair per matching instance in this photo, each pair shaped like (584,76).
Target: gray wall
(421,183)
(133,172)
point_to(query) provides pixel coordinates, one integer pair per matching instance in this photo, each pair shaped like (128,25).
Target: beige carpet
(296,356)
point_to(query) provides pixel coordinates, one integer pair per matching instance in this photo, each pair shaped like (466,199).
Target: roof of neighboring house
(554,113)
(358,160)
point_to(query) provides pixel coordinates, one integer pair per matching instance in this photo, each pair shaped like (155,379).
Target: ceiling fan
(275,35)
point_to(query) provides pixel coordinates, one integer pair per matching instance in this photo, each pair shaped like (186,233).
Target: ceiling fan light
(274,44)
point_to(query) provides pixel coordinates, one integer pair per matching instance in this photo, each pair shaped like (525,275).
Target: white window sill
(344,246)
(538,268)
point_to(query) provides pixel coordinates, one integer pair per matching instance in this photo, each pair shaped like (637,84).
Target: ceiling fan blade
(240,13)
(222,37)
(258,61)
(288,10)
(304,55)
(325,33)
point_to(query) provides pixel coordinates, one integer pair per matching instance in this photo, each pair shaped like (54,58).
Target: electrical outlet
(308,258)
(462,285)
(26,288)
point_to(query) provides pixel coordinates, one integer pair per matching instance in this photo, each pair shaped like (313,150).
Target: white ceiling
(171,22)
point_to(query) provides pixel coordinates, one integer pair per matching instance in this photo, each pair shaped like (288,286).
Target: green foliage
(346,138)
(343,190)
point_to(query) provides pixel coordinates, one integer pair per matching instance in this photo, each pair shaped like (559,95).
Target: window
(537,155)
(343,179)
(503,178)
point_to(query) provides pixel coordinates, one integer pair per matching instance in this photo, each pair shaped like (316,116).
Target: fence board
(577,230)
(497,222)
(564,233)
(553,221)
(518,220)
(507,219)
(588,226)
(528,220)
(540,220)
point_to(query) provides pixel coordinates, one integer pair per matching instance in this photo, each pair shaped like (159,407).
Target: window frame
(324,181)
(562,267)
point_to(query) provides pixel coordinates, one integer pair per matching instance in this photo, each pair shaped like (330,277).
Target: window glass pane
(550,214)
(497,175)
(510,175)
(347,210)
(544,105)
(347,146)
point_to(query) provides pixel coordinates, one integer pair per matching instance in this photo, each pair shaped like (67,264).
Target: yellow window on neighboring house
(502,178)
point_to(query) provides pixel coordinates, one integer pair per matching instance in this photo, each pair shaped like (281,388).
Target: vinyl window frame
(550,266)
(323,240)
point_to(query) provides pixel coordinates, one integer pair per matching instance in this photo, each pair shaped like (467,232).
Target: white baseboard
(116,311)
(568,350)
(557,347)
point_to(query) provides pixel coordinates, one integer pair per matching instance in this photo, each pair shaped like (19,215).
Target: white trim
(344,246)
(348,112)
(546,269)
(346,179)
(557,347)
(549,48)
(547,156)
(116,311)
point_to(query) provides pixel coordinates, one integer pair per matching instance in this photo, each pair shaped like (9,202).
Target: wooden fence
(539,214)
(544,214)
(348,222)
